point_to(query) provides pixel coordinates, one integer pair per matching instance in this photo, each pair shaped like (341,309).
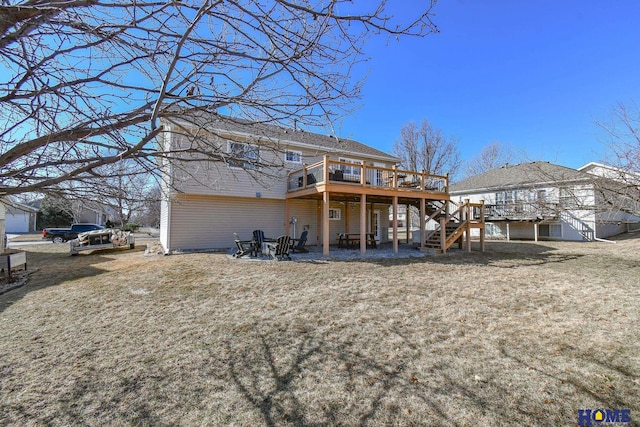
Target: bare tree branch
(426,148)
(84,81)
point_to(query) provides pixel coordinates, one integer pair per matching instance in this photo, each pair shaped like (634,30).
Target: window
(550,230)
(293,156)
(334,213)
(244,156)
(568,198)
(350,170)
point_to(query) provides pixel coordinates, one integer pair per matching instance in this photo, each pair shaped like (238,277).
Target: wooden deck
(344,180)
(332,180)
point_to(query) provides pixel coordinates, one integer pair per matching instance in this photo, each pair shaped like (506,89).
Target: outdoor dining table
(352,240)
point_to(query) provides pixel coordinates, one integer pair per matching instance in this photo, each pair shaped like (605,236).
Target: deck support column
(395,224)
(407,222)
(363,224)
(482,225)
(467,217)
(325,223)
(423,213)
(508,237)
(535,231)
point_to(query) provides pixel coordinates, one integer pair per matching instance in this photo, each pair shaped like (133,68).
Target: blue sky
(534,75)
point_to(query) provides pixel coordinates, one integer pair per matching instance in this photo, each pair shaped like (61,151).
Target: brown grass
(524,334)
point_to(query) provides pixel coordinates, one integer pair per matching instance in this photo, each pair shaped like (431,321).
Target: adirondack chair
(299,247)
(243,250)
(258,240)
(280,248)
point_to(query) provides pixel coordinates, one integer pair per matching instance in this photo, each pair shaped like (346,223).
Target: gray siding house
(542,200)
(278,180)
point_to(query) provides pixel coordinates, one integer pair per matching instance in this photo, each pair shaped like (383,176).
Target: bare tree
(84,83)
(425,147)
(149,213)
(619,186)
(490,157)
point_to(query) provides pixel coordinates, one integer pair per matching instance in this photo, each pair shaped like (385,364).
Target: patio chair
(258,240)
(280,248)
(241,249)
(299,247)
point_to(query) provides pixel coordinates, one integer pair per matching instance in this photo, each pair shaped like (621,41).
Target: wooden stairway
(454,232)
(454,224)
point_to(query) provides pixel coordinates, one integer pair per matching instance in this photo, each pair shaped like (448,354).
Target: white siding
(165,207)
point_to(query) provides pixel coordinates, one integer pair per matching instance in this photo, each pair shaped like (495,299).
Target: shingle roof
(334,144)
(521,175)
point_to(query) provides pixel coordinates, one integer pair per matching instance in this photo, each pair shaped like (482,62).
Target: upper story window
(350,170)
(292,156)
(244,156)
(569,198)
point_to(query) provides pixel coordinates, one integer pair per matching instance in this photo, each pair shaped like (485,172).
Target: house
(20,218)
(88,211)
(544,200)
(3,242)
(325,185)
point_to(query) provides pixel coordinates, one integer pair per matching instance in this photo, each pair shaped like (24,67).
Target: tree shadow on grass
(326,382)
(52,267)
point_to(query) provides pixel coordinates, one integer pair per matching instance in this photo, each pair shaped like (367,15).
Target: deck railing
(522,210)
(362,174)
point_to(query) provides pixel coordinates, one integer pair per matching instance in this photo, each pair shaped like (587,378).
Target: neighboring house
(3,242)
(543,200)
(326,186)
(91,212)
(20,218)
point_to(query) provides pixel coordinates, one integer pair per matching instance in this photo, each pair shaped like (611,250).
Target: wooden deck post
(407,216)
(423,213)
(325,169)
(363,173)
(535,231)
(395,222)
(482,225)
(395,176)
(467,216)
(304,176)
(325,223)
(363,224)
(443,235)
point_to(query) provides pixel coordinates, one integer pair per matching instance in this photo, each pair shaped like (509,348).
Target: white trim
(296,153)
(335,214)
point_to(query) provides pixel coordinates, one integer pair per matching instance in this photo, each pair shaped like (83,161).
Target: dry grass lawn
(524,334)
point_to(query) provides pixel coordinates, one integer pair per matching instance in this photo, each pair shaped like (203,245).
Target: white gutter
(603,240)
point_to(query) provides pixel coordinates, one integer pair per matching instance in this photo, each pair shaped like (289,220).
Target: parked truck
(61,235)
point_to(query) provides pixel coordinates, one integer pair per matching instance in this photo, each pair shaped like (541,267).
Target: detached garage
(20,218)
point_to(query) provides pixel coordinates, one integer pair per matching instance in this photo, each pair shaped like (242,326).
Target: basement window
(335,214)
(550,230)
